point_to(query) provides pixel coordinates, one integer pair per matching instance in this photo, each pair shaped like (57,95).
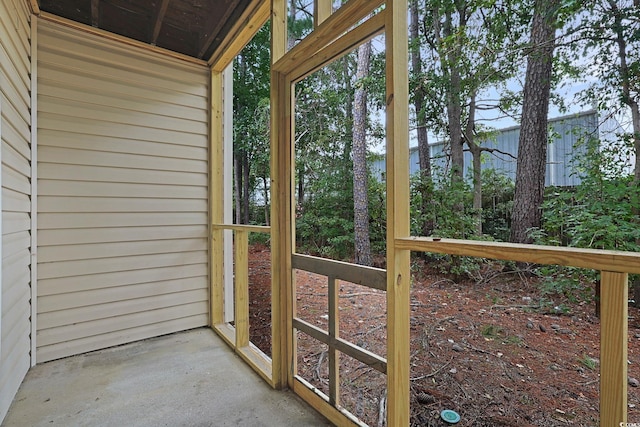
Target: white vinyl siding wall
(15,85)
(122,193)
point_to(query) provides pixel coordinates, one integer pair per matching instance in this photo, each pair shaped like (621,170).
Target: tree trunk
(419,97)
(265,183)
(476,158)
(532,145)
(626,76)
(237,187)
(454,107)
(359,153)
(245,186)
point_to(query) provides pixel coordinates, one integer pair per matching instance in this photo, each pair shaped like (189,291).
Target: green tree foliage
(251,83)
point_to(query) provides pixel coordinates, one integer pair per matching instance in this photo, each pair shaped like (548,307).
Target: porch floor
(190,378)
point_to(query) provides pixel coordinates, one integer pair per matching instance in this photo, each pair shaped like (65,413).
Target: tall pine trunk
(419,101)
(532,149)
(359,153)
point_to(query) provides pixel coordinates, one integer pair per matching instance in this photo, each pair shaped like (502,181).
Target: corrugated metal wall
(15,85)
(122,194)
(565,132)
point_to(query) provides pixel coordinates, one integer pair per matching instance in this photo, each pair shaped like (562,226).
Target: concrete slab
(186,379)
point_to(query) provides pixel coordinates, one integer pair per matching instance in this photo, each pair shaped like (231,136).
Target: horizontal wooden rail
(622,262)
(614,267)
(370,277)
(368,29)
(359,353)
(332,28)
(242,227)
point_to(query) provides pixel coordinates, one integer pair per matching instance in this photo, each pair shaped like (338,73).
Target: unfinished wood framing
(241,245)
(614,267)
(216,193)
(322,9)
(337,35)
(614,324)
(280,164)
(243,30)
(398,272)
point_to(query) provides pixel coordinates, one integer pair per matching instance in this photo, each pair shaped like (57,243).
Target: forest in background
(472,64)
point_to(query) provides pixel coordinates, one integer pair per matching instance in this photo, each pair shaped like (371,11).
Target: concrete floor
(186,379)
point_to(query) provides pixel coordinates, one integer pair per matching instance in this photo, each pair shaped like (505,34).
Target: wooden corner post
(216,196)
(398,276)
(280,202)
(614,325)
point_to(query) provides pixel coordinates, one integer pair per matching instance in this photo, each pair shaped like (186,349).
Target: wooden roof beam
(218,26)
(95,13)
(157,18)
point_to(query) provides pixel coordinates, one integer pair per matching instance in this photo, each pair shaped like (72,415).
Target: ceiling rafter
(219,23)
(195,28)
(95,13)
(157,18)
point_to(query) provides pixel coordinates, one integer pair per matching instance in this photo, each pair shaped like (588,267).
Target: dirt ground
(490,351)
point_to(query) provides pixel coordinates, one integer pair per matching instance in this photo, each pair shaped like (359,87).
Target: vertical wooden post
(279,193)
(216,197)
(241,245)
(613,348)
(322,9)
(334,355)
(398,276)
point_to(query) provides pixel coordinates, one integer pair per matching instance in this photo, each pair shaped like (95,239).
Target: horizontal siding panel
(48,221)
(129,234)
(109,250)
(115,204)
(15,363)
(15,135)
(13,201)
(109,265)
(14,222)
(96,342)
(122,194)
(15,242)
(11,158)
(149,62)
(104,58)
(15,181)
(91,313)
(92,297)
(66,285)
(107,174)
(18,60)
(14,294)
(15,132)
(94,62)
(127,161)
(57,75)
(101,326)
(62,122)
(120,145)
(14,97)
(16,338)
(125,100)
(117,115)
(124,190)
